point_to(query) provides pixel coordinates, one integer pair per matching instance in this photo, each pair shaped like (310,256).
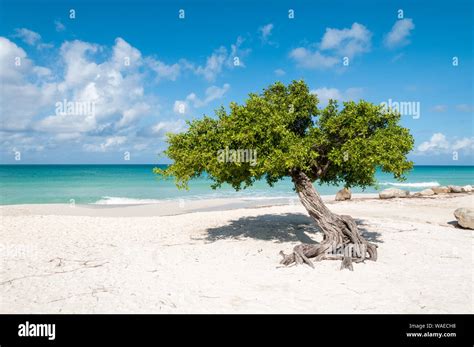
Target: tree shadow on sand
(288,227)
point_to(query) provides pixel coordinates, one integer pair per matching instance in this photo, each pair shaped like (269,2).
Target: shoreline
(165,208)
(178,207)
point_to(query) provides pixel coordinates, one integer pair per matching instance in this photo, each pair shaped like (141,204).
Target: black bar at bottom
(348,330)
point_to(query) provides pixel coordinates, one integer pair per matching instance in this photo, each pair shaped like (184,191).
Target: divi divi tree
(290,136)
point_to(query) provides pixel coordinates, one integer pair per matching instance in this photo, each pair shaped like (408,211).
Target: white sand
(57,259)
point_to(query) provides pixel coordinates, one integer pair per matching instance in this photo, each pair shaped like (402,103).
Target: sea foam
(413,185)
(112,200)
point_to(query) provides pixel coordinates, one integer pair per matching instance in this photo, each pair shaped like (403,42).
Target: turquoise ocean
(136,184)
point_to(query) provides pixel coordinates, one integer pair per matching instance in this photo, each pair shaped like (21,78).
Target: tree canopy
(288,132)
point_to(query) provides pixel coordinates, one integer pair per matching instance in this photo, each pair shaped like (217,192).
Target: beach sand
(219,257)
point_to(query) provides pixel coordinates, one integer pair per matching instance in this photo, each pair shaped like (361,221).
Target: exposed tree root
(348,254)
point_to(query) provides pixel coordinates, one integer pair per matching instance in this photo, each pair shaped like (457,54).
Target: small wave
(413,185)
(112,200)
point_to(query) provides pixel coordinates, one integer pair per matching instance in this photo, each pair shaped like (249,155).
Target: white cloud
(28,36)
(140,146)
(459,108)
(324,94)
(347,42)
(115,86)
(79,68)
(438,144)
(236,50)
(193,101)
(181,107)
(266,31)
(400,33)
(85,72)
(164,71)
(125,57)
(30,92)
(397,57)
(31,38)
(280,72)
(335,44)
(465,108)
(72,136)
(308,59)
(109,144)
(440,108)
(67,123)
(213,93)
(221,58)
(21,142)
(44,45)
(41,71)
(160,129)
(10,53)
(464,144)
(59,26)
(214,64)
(131,114)
(25,91)
(353,93)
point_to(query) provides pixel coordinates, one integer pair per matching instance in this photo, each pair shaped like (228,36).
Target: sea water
(137,184)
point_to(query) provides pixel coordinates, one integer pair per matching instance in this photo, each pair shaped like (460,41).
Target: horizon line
(150,164)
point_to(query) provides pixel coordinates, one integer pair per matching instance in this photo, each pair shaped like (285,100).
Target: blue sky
(141,66)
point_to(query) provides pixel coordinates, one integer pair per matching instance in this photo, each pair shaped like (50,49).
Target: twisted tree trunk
(342,239)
